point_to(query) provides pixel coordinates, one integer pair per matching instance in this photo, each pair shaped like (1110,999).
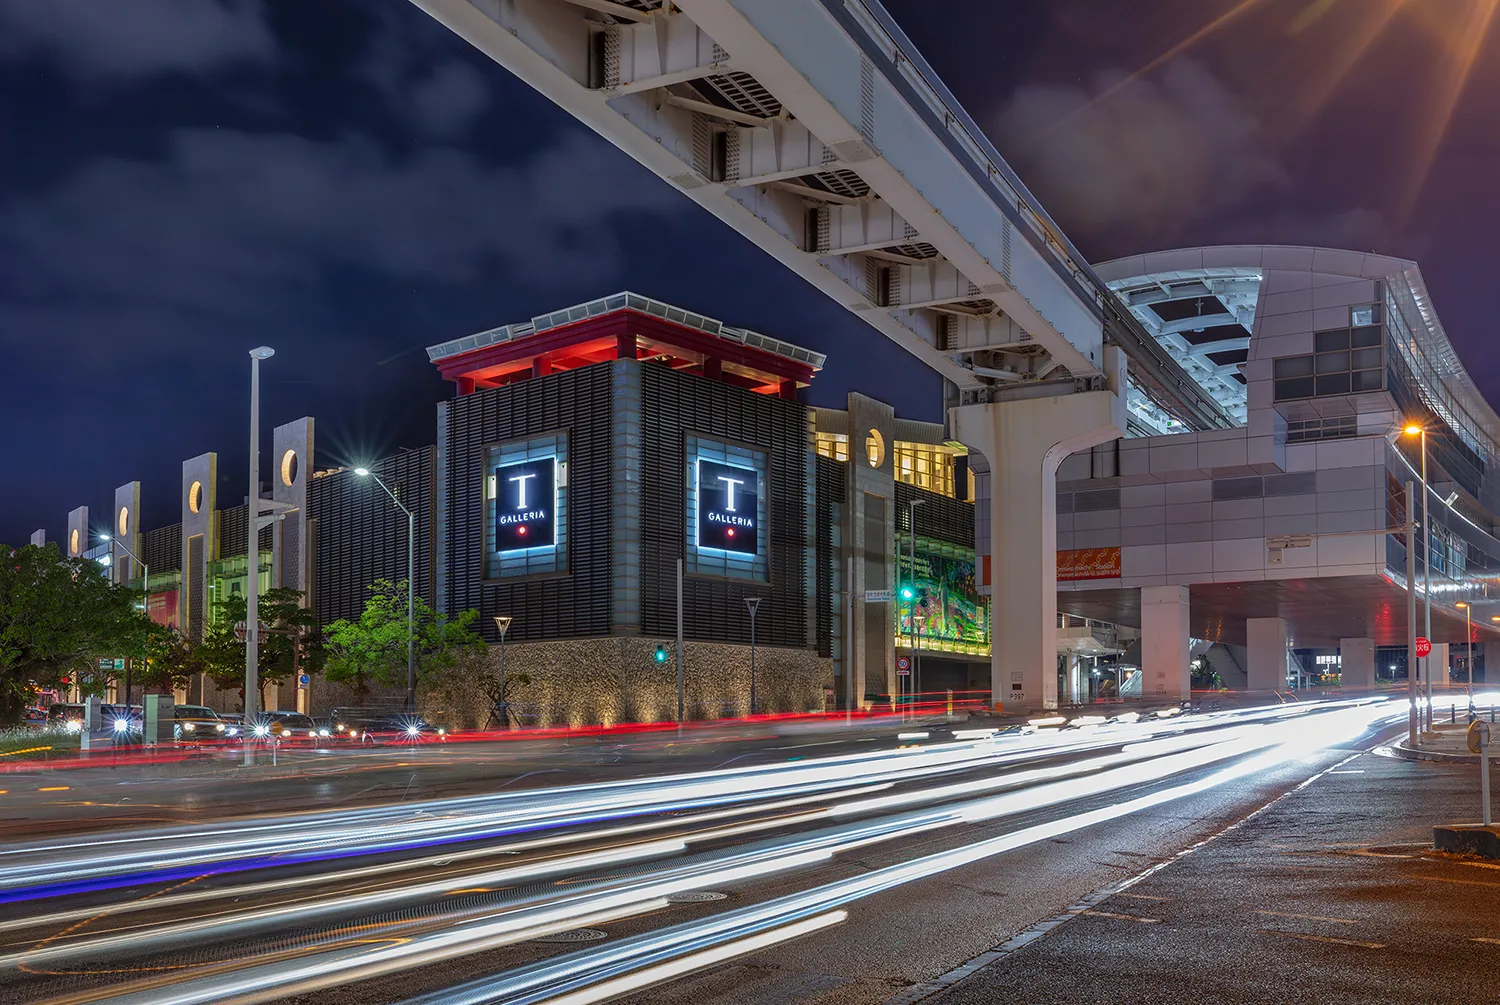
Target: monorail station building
(590,461)
(1271,539)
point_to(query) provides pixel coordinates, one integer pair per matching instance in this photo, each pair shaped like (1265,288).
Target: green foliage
(372,650)
(289,644)
(57,617)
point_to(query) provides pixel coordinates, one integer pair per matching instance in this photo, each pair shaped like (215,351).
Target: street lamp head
(104,537)
(262,352)
(1460,605)
(1413,430)
(362,472)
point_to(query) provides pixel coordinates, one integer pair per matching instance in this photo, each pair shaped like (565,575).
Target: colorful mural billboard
(161,607)
(947,596)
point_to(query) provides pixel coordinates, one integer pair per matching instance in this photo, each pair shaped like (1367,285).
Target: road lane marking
(1309,917)
(1449,879)
(1141,896)
(1124,917)
(1493,942)
(1324,938)
(1349,771)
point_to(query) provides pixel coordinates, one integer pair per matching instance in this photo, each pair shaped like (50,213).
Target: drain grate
(695,897)
(574,935)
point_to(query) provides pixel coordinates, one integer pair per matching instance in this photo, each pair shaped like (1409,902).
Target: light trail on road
(800,815)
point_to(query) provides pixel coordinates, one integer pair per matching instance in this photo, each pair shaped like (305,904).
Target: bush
(36,744)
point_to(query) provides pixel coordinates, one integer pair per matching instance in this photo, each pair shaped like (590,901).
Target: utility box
(157,718)
(95,735)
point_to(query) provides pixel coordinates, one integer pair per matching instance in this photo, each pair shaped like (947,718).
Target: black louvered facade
(562,605)
(674,406)
(938,517)
(832,478)
(234,530)
(161,549)
(359,535)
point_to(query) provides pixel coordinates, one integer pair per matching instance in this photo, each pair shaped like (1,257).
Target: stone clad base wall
(606,681)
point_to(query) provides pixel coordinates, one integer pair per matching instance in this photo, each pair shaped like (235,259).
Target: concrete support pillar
(1442,674)
(713,368)
(625,347)
(1166,659)
(1266,652)
(1025,440)
(1357,662)
(541,366)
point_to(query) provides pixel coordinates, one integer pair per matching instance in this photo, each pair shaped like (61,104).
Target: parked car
(34,718)
(374,725)
(197,724)
(292,726)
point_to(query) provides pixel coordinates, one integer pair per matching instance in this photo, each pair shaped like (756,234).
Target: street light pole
(1426,583)
(1411,618)
(411,590)
(502,625)
(1469,632)
(911,606)
(916,659)
(146,604)
(752,604)
(252,550)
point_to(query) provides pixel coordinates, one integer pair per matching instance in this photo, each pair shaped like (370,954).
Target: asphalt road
(929,879)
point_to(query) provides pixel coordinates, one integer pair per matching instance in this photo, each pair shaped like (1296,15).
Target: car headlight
(219,726)
(74,725)
(261,731)
(233,731)
(121,725)
(322,732)
(413,730)
(189,727)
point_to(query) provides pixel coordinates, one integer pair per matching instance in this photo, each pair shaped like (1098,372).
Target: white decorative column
(1266,649)
(1357,662)
(1166,659)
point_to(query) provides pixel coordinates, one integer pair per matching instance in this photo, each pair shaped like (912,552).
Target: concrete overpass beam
(1025,441)
(1165,642)
(1266,648)
(1357,662)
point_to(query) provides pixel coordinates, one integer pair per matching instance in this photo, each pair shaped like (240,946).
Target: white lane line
(1349,771)
(1124,917)
(1141,896)
(1323,938)
(1308,917)
(1493,942)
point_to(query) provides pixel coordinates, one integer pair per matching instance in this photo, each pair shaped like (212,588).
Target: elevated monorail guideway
(815,129)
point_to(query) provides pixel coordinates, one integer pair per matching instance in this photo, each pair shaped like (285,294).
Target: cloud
(1142,157)
(95,39)
(1352,229)
(411,64)
(235,231)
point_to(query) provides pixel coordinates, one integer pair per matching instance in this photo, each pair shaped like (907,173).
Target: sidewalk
(1331,894)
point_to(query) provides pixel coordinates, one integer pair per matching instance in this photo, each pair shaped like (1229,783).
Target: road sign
(903,673)
(1478,735)
(1424,646)
(119,664)
(878,596)
(302,680)
(903,663)
(105,663)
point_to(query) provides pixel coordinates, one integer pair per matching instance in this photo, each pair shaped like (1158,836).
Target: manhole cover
(574,935)
(695,897)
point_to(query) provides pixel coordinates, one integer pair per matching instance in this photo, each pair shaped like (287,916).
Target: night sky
(346,181)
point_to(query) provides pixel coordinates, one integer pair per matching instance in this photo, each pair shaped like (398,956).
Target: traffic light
(661,654)
(907,593)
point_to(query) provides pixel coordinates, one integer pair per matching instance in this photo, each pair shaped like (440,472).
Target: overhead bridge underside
(816,130)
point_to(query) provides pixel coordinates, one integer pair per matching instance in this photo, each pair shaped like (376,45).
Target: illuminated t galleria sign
(727,508)
(526,505)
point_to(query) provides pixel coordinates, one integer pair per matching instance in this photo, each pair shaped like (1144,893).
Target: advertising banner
(1088,563)
(161,607)
(947,597)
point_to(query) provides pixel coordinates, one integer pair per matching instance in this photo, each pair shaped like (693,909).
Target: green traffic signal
(661,654)
(907,593)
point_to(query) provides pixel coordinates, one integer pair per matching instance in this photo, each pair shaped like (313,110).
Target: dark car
(373,725)
(197,724)
(292,726)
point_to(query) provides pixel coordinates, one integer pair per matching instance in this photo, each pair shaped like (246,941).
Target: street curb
(1401,750)
(1462,839)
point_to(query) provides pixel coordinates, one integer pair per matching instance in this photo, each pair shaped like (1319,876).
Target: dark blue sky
(346,181)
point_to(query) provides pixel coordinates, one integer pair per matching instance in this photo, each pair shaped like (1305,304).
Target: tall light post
(502,625)
(752,604)
(1415,430)
(252,550)
(909,593)
(1469,634)
(145,605)
(411,590)
(916,659)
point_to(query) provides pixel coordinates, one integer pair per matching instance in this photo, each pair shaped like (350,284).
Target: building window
(834,446)
(927,466)
(1338,427)
(1346,361)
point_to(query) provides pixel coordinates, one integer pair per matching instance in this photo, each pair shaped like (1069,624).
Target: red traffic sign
(903,664)
(1424,646)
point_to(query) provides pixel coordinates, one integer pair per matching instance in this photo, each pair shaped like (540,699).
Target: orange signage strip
(1088,563)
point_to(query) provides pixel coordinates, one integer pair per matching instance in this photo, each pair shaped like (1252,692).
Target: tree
(57,617)
(289,644)
(372,650)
